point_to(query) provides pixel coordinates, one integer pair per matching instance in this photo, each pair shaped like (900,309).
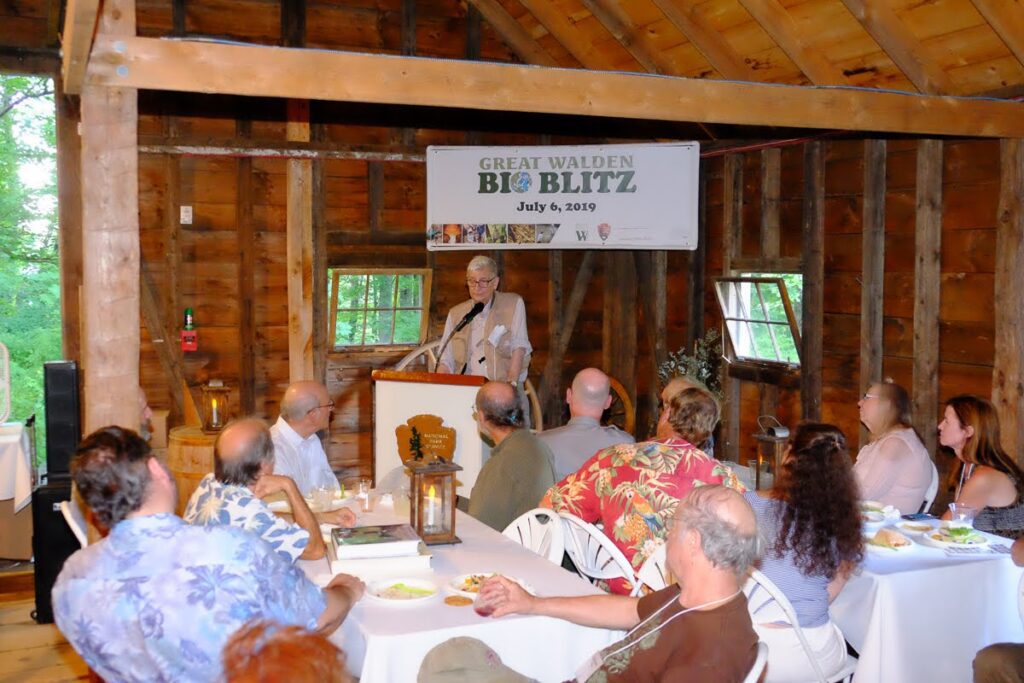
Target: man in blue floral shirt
(243,475)
(157,599)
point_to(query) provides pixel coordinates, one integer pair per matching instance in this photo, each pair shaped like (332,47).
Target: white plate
(907,527)
(928,539)
(284,506)
(882,550)
(376,591)
(456,585)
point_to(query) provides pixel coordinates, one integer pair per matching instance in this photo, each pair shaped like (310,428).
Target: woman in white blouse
(894,467)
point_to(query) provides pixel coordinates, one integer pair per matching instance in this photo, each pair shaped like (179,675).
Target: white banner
(567,197)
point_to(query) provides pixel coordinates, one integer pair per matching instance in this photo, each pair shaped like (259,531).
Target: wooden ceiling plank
(634,39)
(76,43)
(707,40)
(893,36)
(1007,20)
(564,30)
(256,70)
(513,33)
(777,23)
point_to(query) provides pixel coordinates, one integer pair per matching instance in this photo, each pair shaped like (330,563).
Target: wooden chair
(541,531)
(593,553)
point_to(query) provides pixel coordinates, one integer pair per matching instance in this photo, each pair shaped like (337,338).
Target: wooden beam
(652,276)
(882,23)
(777,23)
(189,66)
(632,37)
(563,29)
(692,23)
(178,17)
(110,245)
(299,251)
(619,346)
(513,33)
(696,266)
(473,26)
(1008,366)
(241,150)
(560,342)
(29,61)
(293,23)
(69,215)
(322,339)
(872,268)
(551,397)
(165,343)
(1007,19)
(927,286)
(814,280)
(76,42)
(771,184)
(732,228)
(246,288)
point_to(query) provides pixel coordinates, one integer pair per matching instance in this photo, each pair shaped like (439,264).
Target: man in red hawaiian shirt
(633,489)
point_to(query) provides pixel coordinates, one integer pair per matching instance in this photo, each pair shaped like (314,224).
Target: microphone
(473,312)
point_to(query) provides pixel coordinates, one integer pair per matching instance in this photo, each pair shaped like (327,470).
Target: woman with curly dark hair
(811,524)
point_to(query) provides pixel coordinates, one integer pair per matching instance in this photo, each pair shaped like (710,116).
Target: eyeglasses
(329,404)
(480,283)
(869,395)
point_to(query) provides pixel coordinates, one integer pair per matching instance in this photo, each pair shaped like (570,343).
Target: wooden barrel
(190,458)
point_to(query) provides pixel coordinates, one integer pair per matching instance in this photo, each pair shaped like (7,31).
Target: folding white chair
(758,581)
(541,531)
(762,658)
(653,573)
(76,520)
(933,488)
(593,553)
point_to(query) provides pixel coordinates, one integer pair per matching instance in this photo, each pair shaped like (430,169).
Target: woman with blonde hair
(894,467)
(989,477)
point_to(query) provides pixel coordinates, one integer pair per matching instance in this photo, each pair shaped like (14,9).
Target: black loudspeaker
(63,425)
(52,542)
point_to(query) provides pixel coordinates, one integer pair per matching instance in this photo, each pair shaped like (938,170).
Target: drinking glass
(962,514)
(365,494)
(322,498)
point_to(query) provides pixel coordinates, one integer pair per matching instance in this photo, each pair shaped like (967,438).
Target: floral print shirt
(157,599)
(214,503)
(633,490)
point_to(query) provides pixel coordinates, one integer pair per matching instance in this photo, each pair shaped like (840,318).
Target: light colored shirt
(573,444)
(157,599)
(301,459)
(477,343)
(808,594)
(214,503)
(894,470)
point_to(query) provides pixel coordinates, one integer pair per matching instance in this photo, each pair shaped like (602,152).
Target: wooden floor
(30,652)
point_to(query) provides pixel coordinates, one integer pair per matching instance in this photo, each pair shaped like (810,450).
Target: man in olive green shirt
(518,473)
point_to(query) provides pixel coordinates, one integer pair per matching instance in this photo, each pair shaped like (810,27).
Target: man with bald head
(518,472)
(697,630)
(243,464)
(305,410)
(572,445)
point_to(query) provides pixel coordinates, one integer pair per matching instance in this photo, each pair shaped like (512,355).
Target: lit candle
(215,419)
(431,503)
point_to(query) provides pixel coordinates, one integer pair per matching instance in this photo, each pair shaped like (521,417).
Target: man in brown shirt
(697,631)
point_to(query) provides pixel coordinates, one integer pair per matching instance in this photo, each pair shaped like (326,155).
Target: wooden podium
(399,396)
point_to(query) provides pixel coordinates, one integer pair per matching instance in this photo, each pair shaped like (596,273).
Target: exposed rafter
(513,33)
(777,22)
(1006,17)
(76,43)
(893,36)
(187,66)
(636,41)
(708,41)
(563,29)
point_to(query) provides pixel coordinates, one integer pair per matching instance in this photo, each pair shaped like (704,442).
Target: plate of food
(468,585)
(955,537)
(915,527)
(888,541)
(402,591)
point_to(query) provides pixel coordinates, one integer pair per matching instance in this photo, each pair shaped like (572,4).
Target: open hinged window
(378,307)
(759,318)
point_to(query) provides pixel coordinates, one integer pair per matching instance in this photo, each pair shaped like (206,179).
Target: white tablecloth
(922,616)
(15,467)
(388,643)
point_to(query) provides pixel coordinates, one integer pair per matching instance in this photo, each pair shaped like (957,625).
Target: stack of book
(379,552)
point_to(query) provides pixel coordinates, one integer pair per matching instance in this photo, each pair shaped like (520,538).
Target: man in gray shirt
(573,444)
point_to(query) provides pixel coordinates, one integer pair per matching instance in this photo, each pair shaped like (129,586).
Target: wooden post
(300,249)
(69,211)
(771,183)
(110,244)
(872,268)
(551,394)
(322,341)
(1007,375)
(246,289)
(732,229)
(814,279)
(651,268)
(697,261)
(560,342)
(927,282)
(619,338)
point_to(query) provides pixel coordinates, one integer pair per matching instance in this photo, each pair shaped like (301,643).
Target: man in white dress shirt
(298,453)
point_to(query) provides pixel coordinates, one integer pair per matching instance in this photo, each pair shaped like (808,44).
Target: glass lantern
(770,452)
(216,406)
(432,500)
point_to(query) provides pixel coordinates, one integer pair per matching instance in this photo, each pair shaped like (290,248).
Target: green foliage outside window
(379,308)
(759,323)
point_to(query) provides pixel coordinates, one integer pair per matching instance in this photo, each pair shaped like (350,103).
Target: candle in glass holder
(431,507)
(215,418)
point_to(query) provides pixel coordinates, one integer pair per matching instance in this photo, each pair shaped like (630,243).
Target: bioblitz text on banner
(580,197)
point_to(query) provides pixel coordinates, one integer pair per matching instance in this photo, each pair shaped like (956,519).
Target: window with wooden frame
(760,317)
(379,306)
